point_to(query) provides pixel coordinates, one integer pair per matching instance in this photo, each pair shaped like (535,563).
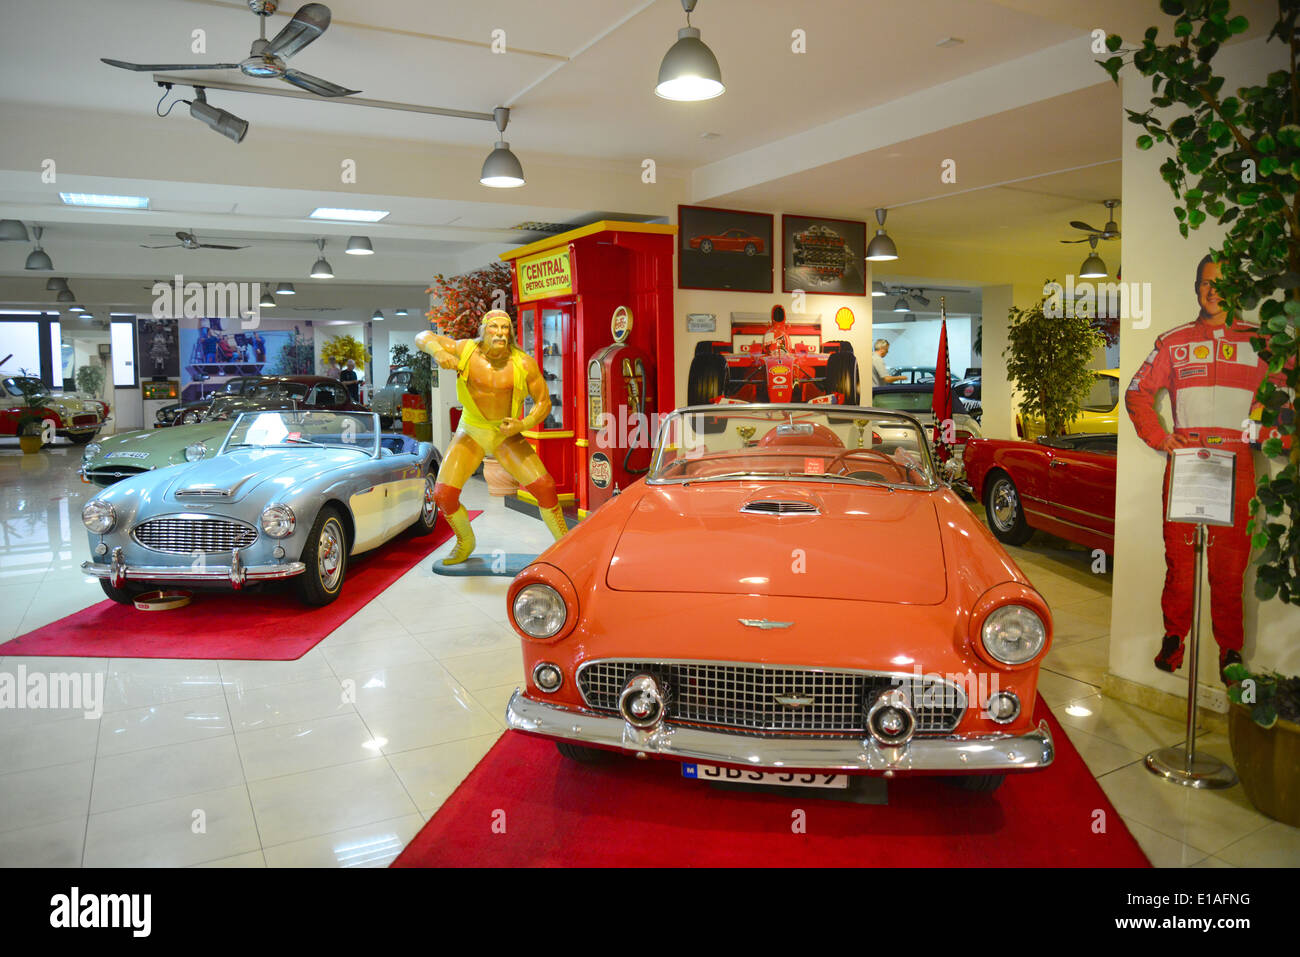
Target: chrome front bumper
(235,574)
(962,755)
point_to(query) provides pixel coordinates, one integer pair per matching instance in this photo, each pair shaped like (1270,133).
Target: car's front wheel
(81,439)
(1005,515)
(326,558)
(706,246)
(428,509)
(583,754)
(750,249)
(977,783)
(123,596)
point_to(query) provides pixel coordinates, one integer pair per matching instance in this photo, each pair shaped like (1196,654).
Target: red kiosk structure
(595,308)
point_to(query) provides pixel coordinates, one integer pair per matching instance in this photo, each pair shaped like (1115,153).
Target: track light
(360,246)
(1093,267)
(285,289)
(689,70)
(215,118)
(321,269)
(502,169)
(38,258)
(881,248)
(12,231)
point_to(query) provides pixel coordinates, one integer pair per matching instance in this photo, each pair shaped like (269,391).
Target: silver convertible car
(289,494)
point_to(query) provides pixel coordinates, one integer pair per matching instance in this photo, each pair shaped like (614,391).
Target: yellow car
(1099,411)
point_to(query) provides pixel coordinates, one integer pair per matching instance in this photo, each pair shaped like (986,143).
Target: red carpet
(267,625)
(557,813)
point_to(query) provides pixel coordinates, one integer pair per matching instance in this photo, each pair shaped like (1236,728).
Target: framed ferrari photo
(823,256)
(724,249)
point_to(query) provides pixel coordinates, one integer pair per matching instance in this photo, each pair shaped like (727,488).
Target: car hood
(868,544)
(234,476)
(159,445)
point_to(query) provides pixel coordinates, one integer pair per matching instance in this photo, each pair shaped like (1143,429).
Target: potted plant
(31,423)
(415,401)
(1048,351)
(1264,731)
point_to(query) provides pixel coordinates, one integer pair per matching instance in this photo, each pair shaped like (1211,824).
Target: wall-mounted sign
(544,275)
(844,318)
(621,323)
(701,322)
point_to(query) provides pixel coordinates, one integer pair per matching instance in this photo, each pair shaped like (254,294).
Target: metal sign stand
(1181,764)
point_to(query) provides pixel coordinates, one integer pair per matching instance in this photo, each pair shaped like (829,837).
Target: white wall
(1154,252)
(917,343)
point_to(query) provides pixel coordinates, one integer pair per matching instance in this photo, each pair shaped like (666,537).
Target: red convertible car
(730,241)
(1064,485)
(774,367)
(747,605)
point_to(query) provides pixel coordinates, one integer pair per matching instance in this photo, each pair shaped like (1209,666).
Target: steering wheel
(847,452)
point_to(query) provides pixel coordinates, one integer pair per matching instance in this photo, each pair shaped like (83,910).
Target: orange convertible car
(790,591)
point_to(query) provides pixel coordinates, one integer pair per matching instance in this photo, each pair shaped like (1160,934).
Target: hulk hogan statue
(493,375)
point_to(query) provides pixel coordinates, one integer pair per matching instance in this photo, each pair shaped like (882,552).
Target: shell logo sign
(844,318)
(1201,352)
(779,370)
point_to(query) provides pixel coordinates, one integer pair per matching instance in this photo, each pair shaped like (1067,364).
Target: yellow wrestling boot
(554,519)
(459,522)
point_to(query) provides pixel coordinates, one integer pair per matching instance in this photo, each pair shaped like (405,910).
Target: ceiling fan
(187,241)
(266,58)
(1111,231)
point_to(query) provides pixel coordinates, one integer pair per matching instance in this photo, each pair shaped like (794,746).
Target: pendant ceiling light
(378,316)
(360,246)
(1093,267)
(689,70)
(55,284)
(901,305)
(12,231)
(502,169)
(65,295)
(76,309)
(268,301)
(400,312)
(38,258)
(881,248)
(321,269)
(285,289)
(878,289)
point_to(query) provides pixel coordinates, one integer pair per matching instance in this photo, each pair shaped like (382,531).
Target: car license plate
(793,779)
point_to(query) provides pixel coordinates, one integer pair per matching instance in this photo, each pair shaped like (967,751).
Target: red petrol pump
(620,414)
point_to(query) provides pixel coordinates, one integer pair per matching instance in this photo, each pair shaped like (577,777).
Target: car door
(1081,492)
(404,489)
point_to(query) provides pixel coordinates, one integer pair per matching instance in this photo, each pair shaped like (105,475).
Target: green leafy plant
(1237,159)
(296,357)
(90,379)
(1267,695)
(31,421)
(1047,360)
(343,348)
(420,364)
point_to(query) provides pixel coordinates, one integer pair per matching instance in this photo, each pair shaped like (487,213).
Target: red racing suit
(1211,373)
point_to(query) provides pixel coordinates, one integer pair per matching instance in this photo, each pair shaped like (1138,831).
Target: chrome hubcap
(430,505)
(329,555)
(1006,505)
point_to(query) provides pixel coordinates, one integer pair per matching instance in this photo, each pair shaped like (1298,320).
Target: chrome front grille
(87,418)
(743,698)
(108,474)
(187,534)
(775,507)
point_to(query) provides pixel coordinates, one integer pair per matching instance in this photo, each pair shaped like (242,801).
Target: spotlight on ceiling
(38,258)
(378,316)
(360,246)
(1093,267)
(285,289)
(881,248)
(215,118)
(502,169)
(321,269)
(12,231)
(689,70)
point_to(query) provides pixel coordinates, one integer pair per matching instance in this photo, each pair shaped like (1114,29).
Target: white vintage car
(74,418)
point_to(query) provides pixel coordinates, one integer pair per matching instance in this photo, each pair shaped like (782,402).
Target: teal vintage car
(116,457)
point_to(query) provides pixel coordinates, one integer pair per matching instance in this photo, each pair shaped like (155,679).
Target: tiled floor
(337,759)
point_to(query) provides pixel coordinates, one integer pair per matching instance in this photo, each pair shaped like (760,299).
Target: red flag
(942,402)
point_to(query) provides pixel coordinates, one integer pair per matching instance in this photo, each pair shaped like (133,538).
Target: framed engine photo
(724,249)
(823,256)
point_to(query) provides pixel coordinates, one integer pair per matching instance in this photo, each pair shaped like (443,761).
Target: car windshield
(399,378)
(904,400)
(1104,395)
(296,390)
(792,442)
(292,429)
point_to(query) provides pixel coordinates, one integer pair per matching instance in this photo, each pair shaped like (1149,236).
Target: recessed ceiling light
(950,42)
(350,215)
(105,201)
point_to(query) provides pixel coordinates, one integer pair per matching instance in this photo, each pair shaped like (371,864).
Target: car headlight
(1013,634)
(278,521)
(98,516)
(195,452)
(539,611)
(90,451)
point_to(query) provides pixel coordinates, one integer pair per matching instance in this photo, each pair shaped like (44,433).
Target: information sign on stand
(1201,492)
